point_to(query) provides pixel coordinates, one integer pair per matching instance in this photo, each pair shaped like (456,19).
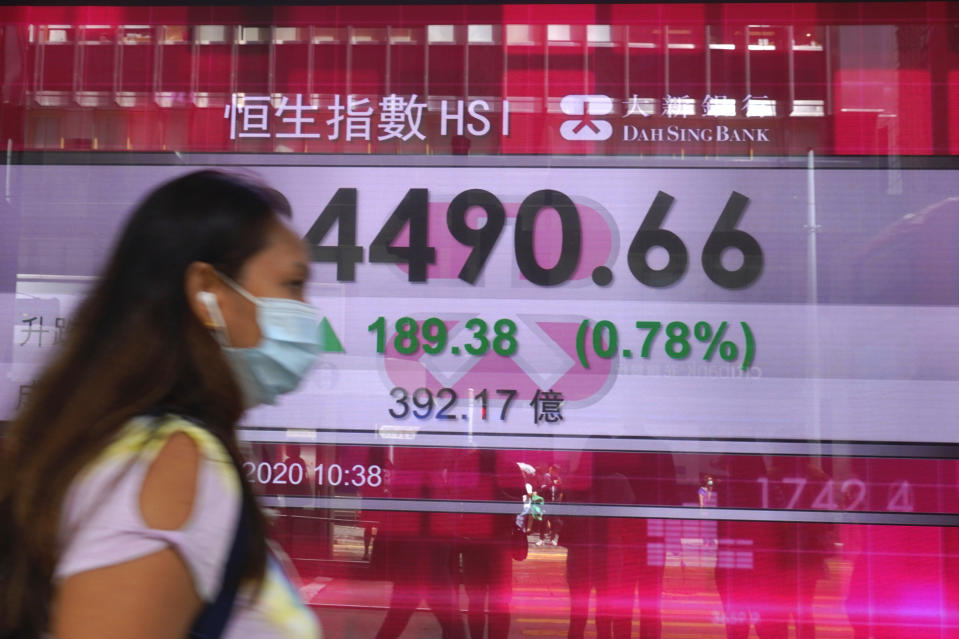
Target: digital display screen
(578,301)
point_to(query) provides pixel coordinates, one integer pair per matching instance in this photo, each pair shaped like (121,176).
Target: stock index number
(412,215)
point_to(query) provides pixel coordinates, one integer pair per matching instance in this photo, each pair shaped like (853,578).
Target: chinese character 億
(357,121)
(678,106)
(297,120)
(34,330)
(719,106)
(547,406)
(255,110)
(397,113)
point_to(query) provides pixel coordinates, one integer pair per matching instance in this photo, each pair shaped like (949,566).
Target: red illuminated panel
(486,78)
(787,580)
(864,79)
(367,74)
(98,52)
(292,63)
(407,59)
(56,57)
(329,63)
(213,61)
(446,68)
(252,56)
(524,84)
(688,577)
(855,484)
(882,112)
(137,53)
(176,55)
(954,112)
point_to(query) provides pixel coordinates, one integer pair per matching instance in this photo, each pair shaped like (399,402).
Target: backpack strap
(212,620)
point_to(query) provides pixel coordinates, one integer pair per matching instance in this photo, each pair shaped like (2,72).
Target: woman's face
(279,269)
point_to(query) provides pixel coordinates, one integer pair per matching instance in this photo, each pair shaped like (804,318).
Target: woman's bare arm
(152,597)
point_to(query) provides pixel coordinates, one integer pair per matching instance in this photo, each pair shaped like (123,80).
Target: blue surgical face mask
(289,346)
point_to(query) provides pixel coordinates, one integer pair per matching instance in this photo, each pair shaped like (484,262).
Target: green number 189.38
(432,336)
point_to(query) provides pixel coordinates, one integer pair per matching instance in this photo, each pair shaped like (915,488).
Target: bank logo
(584,127)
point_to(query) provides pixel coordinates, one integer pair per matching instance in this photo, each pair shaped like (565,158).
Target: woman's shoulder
(145,436)
(126,503)
(138,444)
(157,445)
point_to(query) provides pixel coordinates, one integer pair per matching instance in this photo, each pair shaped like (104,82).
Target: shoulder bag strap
(213,618)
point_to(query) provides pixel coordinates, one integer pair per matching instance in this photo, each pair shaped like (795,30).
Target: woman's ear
(201,285)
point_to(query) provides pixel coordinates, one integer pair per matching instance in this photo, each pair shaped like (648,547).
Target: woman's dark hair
(134,347)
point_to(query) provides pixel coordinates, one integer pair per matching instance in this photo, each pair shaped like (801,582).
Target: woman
(122,504)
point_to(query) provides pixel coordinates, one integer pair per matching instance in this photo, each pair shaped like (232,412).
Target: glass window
(637,319)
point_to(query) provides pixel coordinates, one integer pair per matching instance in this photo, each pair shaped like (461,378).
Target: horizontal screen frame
(226,158)
(605,443)
(610,510)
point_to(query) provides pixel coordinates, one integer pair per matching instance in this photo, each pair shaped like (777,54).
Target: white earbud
(208,299)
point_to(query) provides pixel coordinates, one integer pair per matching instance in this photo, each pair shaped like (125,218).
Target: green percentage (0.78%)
(604,341)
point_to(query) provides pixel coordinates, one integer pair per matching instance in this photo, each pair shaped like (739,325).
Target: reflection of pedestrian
(460,145)
(617,557)
(707,492)
(293,524)
(595,555)
(485,541)
(419,567)
(652,480)
(551,489)
(298,476)
(416,548)
(369,519)
(749,565)
(536,508)
(806,547)
(595,560)
(528,477)
(614,540)
(579,577)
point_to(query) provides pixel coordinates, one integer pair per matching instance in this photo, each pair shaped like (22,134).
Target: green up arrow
(329,342)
